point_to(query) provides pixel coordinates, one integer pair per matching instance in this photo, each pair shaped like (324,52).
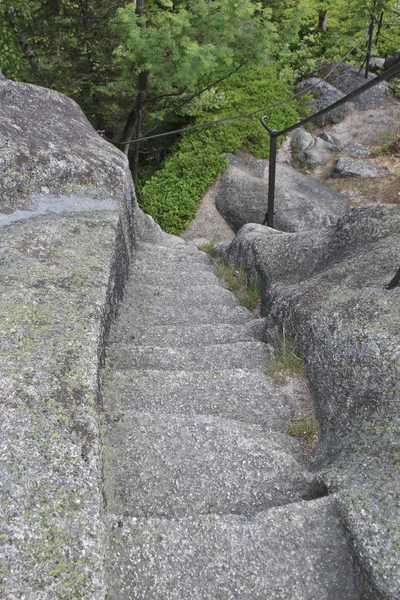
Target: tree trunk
(322,18)
(134,122)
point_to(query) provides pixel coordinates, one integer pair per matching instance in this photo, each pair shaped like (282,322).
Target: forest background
(146,68)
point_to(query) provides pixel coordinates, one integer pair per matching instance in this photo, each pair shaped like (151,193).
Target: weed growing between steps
(237,281)
(208,247)
(286,361)
(307,431)
(285,368)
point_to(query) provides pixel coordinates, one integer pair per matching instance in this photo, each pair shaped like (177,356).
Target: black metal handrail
(274,134)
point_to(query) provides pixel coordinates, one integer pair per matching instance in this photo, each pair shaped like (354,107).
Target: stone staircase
(206,495)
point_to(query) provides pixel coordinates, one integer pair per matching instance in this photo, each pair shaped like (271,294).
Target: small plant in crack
(302,429)
(209,246)
(237,281)
(285,361)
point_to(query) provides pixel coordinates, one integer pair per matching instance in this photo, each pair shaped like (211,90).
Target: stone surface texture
(327,289)
(348,167)
(310,149)
(206,494)
(144,451)
(68,225)
(347,78)
(301,203)
(324,95)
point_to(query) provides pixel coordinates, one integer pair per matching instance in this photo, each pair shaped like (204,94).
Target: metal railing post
(273,136)
(369,47)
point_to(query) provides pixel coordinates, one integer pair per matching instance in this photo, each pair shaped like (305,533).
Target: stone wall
(69,221)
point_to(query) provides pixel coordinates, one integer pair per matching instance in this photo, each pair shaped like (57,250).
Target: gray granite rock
(332,139)
(347,167)
(328,290)
(300,140)
(347,78)
(68,224)
(238,394)
(309,149)
(356,150)
(179,465)
(324,95)
(376,63)
(301,203)
(292,552)
(390,61)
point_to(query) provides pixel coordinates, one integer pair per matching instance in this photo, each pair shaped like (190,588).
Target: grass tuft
(286,361)
(237,281)
(208,247)
(302,429)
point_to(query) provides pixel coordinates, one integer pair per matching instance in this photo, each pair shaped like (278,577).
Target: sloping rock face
(301,203)
(68,226)
(52,151)
(347,167)
(324,95)
(328,290)
(347,78)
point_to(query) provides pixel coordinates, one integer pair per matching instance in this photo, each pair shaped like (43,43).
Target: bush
(172,194)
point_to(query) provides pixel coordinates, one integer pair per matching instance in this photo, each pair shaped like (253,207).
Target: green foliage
(302,44)
(172,194)
(15,17)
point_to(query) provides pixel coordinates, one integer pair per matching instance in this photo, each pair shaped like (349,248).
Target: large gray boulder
(324,94)
(68,225)
(327,289)
(347,167)
(347,78)
(310,149)
(301,203)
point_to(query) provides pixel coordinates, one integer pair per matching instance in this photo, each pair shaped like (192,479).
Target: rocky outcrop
(68,226)
(206,494)
(301,203)
(310,149)
(347,167)
(324,94)
(328,290)
(347,78)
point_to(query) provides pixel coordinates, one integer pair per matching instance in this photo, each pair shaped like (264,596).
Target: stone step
(185,335)
(246,396)
(185,315)
(237,355)
(165,253)
(295,552)
(176,465)
(195,296)
(201,263)
(171,277)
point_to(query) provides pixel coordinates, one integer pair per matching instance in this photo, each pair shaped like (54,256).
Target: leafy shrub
(171,195)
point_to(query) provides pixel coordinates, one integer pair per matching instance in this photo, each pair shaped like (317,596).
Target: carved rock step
(181,314)
(171,276)
(197,295)
(200,261)
(246,396)
(296,552)
(185,335)
(240,355)
(146,251)
(178,465)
